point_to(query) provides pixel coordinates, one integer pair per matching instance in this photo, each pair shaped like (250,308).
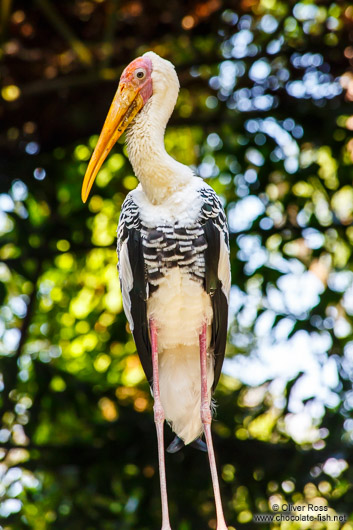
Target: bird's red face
(134,90)
(138,76)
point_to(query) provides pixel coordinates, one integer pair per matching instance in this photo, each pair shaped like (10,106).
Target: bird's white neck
(159,173)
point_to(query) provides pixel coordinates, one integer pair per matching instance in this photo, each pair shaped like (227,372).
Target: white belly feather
(179,307)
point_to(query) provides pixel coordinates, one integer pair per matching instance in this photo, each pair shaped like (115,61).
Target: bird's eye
(140,74)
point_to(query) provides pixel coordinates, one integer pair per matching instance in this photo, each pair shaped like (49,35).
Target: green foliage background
(264,113)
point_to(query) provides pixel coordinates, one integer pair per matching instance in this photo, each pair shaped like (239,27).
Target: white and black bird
(173,263)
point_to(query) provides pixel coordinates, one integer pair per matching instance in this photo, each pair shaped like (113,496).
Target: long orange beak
(126,104)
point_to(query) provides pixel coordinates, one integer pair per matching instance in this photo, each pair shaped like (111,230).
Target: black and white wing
(133,280)
(217,272)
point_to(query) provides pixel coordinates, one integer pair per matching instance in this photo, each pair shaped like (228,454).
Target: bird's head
(142,78)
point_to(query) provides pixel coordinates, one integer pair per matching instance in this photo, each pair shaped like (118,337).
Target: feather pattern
(181,277)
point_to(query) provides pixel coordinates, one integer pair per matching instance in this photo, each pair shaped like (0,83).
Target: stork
(174,265)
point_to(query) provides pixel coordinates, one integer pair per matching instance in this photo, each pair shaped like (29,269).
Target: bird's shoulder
(211,203)
(212,209)
(129,218)
(129,208)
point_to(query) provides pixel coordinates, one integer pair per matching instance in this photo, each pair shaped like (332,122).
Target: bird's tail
(180,390)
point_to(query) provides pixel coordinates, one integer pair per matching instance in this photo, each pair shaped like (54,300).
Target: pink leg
(159,421)
(206,418)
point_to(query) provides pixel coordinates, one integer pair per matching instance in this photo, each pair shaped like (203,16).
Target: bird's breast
(169,246)
(172,234)
(175,268)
